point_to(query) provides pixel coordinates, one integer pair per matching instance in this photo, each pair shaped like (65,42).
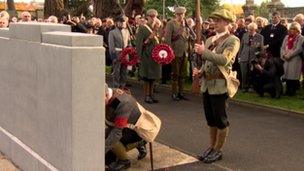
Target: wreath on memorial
(163,54)
(128,56)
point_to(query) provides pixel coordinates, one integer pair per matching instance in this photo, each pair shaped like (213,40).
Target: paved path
(6,165)
(259,139)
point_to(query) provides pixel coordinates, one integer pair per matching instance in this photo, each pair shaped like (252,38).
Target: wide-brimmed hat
(223,14)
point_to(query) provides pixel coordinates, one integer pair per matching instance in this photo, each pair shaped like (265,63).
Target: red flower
(163,54)
(128,56)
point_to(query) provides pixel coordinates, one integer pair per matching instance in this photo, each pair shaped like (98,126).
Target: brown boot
(221,138)
(120,151)
(213,135)
(216,154)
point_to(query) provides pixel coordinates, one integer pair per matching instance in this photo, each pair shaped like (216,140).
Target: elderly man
(299,18)
(177,36)
(251,44)
(219,54)
(53,19)
(3,22)
(4,14)
(26,17)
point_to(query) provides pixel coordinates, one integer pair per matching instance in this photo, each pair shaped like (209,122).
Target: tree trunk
(66,3)
(110,8)
(53,7)
(134,5)
(11,8)
(11,5)
(106,8)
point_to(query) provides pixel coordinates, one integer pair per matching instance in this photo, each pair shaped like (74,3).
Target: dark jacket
(121,111)
(274,36)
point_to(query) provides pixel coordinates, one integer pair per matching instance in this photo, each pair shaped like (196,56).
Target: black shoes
(119,165)
(142,150)
(151,100)
(148,100)
(213,156)
(178,97)
(175,97)
(182,96)
(205,154)
(154,99)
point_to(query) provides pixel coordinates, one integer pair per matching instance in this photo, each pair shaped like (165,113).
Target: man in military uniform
(177,36)
(121,110)
(219,51)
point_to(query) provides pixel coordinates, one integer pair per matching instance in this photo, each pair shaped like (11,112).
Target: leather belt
(215,76)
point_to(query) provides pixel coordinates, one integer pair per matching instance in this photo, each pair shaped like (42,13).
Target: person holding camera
(265,75)
(291,52)
(252,42)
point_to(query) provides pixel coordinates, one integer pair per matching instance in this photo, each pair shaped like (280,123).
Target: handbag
(147,126)
(231,79)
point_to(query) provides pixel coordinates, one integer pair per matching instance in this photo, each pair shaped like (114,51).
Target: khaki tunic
(223,55)
(180,45)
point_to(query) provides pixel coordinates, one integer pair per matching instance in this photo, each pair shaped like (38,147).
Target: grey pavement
(259,139)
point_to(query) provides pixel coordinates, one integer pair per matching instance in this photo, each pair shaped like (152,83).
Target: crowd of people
(271,54)
(264,55)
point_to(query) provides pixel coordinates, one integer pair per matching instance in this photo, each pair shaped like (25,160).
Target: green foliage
(207,6)
(78,7)
(262,10)
(288,103)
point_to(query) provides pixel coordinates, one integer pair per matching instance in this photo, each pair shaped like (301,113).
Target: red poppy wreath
(128,56)
(163,54)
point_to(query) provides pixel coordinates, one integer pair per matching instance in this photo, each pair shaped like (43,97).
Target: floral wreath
(163,54)
(128,56)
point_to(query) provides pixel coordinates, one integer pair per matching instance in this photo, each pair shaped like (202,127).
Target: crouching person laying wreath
(129,126)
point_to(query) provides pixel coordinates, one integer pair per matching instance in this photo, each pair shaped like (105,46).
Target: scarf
(291,40)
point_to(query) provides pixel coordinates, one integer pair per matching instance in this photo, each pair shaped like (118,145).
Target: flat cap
(180,10)
(223,14)
(119,18)
(152,12)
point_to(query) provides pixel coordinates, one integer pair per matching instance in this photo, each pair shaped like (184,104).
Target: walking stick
(151,156)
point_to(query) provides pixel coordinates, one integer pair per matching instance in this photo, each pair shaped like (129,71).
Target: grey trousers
(119,74)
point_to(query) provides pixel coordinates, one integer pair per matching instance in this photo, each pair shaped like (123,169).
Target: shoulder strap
(223,71)
(218,41)
(151,32)
(147,27)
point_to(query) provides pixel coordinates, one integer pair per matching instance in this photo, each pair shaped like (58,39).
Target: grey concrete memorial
(52,98)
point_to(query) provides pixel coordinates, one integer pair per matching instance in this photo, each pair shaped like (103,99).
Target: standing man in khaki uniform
(220,50)
(177,36)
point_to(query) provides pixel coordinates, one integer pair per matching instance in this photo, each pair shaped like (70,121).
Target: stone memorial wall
(51,98)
